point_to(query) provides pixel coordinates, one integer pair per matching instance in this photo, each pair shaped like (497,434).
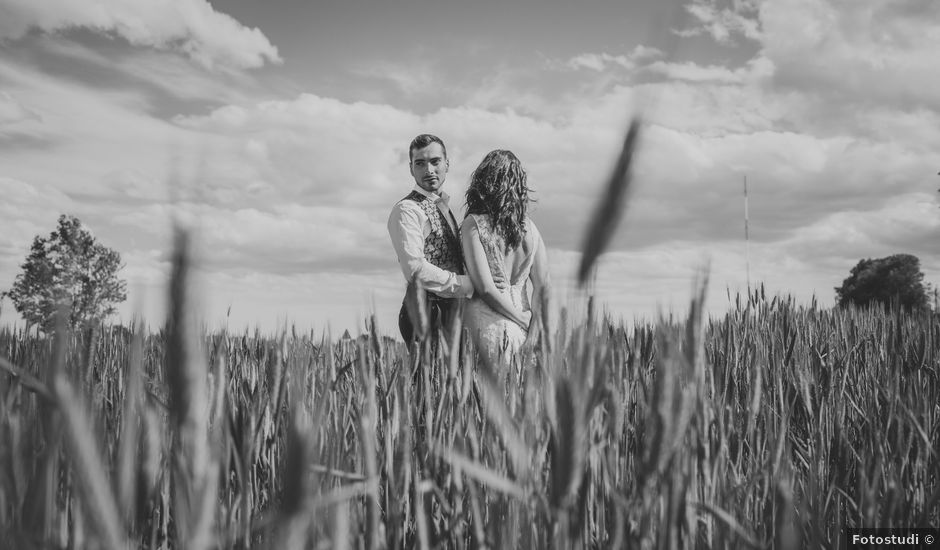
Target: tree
(69,267)
(885,280)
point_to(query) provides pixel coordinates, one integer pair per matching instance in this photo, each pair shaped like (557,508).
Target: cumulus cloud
(163,74)
(27,210)
(603,61)
(722,23)
(874,52)
(756,71)
(908,223)
(283,239)
(877,52)
(598,62)
(193,27)
(82,137)
(317,149)
(18,194)
(133,184)
(288,239)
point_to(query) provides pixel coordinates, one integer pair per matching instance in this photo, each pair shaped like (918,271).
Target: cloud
(756,71)
(27,210)
(598,62)
(133,184)
(723,24)
(603,61)
(908,223)
(877,52)
(687,204)
(192,27)
(647,283)
(701,138)
(315,301)
(80,127)
(18,194)
(412,79)
(317,149)
(289,196)
(19,125)
(290,239)
(169,80)
(12,112)
(874,52)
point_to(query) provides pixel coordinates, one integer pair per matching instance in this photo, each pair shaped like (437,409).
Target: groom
(425,235)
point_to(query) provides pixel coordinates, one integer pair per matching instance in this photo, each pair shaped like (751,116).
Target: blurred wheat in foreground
(773,426)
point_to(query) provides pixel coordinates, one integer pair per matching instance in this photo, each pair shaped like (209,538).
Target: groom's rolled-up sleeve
(406,229)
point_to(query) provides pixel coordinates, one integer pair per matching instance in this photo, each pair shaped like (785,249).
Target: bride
(505,257)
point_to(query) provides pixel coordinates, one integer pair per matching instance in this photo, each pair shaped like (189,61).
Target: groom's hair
(423,141)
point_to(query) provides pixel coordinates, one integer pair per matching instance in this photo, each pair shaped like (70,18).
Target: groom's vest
(441,246)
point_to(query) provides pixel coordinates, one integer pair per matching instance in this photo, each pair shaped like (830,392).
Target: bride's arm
(541,285)
(479,271)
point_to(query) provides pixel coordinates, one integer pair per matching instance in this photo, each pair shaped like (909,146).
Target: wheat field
(776,425)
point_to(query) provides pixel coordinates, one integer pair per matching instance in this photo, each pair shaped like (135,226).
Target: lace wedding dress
(495,336)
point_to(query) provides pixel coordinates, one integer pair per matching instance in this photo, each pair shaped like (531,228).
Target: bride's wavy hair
(498,189)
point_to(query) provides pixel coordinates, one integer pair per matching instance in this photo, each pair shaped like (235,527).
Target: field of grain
(775,425)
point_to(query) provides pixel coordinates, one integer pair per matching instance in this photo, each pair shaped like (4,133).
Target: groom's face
(429,167)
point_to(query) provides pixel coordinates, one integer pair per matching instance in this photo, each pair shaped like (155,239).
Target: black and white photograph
(652,274)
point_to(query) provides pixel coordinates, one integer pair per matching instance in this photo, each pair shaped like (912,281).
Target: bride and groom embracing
(493,258)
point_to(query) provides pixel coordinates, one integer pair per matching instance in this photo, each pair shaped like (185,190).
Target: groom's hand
(527,318)
(531,337)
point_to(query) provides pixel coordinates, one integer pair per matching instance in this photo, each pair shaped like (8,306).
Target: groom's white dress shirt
(408,226)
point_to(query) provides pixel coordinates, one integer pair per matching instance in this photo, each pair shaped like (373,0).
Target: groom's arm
(406,230)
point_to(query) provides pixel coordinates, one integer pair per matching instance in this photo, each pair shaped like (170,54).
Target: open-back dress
(493,334)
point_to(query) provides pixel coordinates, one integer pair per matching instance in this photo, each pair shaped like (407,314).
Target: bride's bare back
(499,312)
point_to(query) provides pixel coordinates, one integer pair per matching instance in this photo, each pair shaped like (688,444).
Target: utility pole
(747,244)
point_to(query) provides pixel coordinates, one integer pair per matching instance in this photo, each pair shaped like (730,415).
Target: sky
(277,131)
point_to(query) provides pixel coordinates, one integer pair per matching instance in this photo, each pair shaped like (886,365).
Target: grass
(775,425)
